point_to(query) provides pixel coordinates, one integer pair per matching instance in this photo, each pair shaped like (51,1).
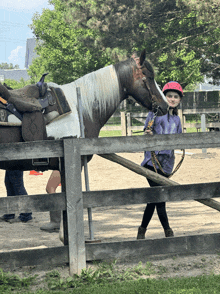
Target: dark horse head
(136,79)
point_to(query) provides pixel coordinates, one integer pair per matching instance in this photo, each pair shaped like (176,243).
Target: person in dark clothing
(166,124)
(14,184)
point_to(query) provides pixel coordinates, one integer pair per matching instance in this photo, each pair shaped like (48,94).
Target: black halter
(155,107)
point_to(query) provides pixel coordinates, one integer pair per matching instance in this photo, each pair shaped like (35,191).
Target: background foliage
(5,65)
(77,37)
(16,84)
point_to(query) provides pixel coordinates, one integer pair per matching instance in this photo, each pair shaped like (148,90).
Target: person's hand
(148,132)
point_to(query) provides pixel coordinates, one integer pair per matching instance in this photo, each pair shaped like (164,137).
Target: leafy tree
(180,37)
(81,36)
(5,65)
(16,84)
(65,51)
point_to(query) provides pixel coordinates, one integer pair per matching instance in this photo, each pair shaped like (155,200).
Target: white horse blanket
(100,86)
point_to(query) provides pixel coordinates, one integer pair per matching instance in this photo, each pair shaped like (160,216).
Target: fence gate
(73,200)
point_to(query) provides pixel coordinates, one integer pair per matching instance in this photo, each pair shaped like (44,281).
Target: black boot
(141,233)
(169,233)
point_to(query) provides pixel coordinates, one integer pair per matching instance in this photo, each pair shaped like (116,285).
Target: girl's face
(173,98)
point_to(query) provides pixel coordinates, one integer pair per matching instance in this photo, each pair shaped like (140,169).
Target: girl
(166,124)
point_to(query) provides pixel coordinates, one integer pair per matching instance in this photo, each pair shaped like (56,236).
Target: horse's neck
(124,71)
(100,94)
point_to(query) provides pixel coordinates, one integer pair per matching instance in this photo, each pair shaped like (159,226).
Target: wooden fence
(72,200)
(202,103)
(127,127)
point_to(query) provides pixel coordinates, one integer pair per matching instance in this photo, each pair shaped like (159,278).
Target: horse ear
(143,56)
(4,93)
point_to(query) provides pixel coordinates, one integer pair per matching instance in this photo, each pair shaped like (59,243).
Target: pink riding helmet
(173,86)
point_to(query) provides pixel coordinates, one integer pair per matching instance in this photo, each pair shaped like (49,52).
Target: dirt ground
(121,223)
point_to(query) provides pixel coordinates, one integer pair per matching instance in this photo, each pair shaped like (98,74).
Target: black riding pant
(14,184)
(160,207)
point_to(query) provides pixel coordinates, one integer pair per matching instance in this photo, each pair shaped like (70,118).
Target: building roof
(14,74)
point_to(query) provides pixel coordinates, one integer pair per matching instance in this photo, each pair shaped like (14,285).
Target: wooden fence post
(129,131)
(180,113)
(123,124)
(73,185)
(203,128)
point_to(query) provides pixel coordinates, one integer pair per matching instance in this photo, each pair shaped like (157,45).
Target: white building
(30,52)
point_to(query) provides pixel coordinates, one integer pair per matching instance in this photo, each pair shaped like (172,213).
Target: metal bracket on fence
(40,161)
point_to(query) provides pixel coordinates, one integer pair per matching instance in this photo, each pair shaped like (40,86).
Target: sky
(16,16)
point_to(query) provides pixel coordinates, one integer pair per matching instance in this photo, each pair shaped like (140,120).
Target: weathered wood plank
(73,188)
(148,195)
(198,125)
(142,248)
(29,203)
(34,257)
(139,115)
(56,201)
(200,110)
(199,244)
(88,146)
(149,143)
(136,128)
(29,150)
(123,124)
(154,176)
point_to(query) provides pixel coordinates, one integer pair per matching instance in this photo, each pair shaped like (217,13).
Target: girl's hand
(148,132)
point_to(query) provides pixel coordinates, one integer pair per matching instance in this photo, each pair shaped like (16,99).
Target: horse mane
(124,70)
(100,91)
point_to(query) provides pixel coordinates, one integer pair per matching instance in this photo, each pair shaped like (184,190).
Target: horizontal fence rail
(149,143)
(29,150)
(57,201)
(127,118)
(90,146)
(201,110)
(196,244)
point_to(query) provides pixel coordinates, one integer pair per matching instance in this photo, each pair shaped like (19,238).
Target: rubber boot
(141,233)
(168,233)
(54,224)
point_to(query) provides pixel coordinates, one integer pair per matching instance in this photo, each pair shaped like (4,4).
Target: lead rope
(154,157)
(155,160)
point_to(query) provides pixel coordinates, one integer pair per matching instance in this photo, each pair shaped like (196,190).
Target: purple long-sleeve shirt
(166,124)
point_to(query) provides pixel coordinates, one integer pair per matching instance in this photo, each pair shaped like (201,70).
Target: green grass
(110,279)
(110,134)
(191,130)
(135,133)
(198,285)
(171,286)
(9,283)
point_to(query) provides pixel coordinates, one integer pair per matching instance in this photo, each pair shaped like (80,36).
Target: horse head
(142,86)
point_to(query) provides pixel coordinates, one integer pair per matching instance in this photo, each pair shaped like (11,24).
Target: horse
(102,91)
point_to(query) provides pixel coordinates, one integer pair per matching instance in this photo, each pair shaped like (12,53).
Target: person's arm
(148,119)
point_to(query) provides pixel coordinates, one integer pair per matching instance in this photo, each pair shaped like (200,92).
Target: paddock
(115,223)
